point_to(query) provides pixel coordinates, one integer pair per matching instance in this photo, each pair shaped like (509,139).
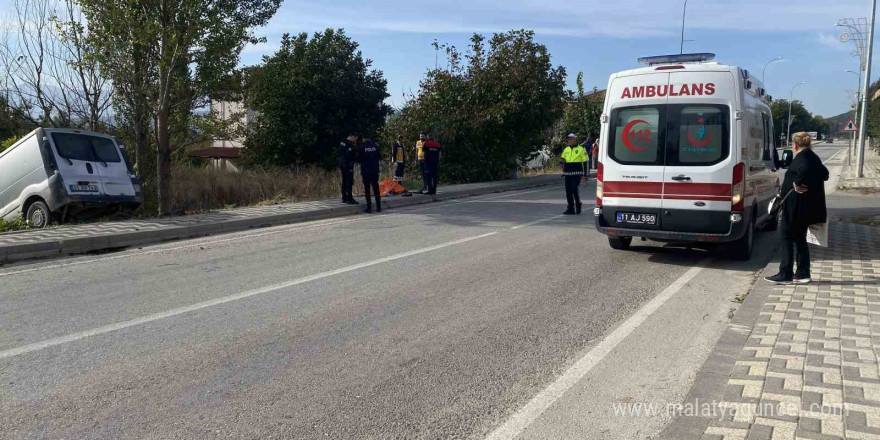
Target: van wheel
(38,215)
(620,243)
(742,248)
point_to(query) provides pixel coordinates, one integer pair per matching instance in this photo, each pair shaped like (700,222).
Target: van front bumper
(104,200)
(738,227)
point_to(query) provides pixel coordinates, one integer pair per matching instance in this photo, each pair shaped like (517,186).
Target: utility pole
(863,126)
(683,12)
(852,147)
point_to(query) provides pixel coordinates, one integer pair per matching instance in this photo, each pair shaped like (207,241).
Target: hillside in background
(836,123)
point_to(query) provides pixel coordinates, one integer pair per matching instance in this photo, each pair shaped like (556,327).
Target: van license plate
(84,188)
(630,218)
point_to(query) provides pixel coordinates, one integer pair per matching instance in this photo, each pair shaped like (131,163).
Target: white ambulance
(686,154)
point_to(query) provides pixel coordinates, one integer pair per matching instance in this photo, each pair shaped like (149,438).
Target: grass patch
(15,225)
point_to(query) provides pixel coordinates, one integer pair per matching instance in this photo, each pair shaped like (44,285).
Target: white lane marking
(226,299)
(536,222)
(241,236)
(834,155)
(521,420)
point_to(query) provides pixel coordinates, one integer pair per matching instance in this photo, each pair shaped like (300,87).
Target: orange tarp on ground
(389,186)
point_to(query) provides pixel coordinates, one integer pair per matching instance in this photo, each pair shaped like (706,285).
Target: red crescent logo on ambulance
(628,135)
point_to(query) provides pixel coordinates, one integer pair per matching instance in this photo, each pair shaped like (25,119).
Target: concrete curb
(119,240)
(711,380)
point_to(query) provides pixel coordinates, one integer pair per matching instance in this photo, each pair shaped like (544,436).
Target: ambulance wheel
(742,248)
(620,243)
(38,215)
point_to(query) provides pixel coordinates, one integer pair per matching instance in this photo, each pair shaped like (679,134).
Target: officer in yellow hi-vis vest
(574,159)
(420,155)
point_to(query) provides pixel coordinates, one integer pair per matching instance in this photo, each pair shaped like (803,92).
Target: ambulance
(686,155)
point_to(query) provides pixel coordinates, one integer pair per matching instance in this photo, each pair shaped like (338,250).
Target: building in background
(224,153)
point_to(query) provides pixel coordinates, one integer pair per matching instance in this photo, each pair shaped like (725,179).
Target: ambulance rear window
(638,135)
(701,137)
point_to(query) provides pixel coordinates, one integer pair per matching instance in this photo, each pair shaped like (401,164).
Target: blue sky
(600,37)
(597,37)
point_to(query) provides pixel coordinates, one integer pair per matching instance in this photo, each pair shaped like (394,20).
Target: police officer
(370,157)
(432,163)
(397,159)
(345,157)
(574,159)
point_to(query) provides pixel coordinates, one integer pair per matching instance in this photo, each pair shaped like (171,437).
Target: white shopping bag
(818,234)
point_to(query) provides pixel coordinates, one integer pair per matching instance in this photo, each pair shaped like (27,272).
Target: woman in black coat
(805,206)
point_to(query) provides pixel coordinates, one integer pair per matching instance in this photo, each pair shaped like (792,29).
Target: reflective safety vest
(576,154)
(420,152)
(574,159)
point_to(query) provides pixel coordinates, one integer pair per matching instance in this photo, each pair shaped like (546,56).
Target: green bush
(15,225)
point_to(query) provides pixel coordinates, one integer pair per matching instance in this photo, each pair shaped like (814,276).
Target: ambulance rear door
(634,163)
(701,131)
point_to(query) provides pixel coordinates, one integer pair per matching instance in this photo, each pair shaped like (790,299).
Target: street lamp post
(764,72)
(683,12)
(860,160)
(790,101)
(855,115)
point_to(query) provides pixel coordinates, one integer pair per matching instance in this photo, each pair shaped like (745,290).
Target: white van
(52,173)
(686,154)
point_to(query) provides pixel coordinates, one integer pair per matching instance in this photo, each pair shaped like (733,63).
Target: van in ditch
(52,174)
(686,154)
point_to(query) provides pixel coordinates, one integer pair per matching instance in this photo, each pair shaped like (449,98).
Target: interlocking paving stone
(871,179)
(812,352)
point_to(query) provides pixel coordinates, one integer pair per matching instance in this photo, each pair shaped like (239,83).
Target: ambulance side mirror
(787,157)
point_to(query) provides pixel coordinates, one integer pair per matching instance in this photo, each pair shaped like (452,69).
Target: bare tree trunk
(163,161)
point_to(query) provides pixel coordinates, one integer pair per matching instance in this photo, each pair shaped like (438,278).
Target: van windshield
(675,134)
(87,148)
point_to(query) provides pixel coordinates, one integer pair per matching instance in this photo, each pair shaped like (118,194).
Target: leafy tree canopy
(309,96)
(489,109)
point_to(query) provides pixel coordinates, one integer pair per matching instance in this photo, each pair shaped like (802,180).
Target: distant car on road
(52,174)
(829,140)
(686,154)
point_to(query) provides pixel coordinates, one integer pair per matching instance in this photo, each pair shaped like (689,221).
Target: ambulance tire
(742,248)
(620,243)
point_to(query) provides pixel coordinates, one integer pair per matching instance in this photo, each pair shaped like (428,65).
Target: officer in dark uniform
(370,157)
(432,163)
(345,156)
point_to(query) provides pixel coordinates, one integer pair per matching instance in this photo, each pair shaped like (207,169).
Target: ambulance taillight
(600,176)
(737,190)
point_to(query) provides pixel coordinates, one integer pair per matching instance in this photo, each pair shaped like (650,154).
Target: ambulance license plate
(631,218)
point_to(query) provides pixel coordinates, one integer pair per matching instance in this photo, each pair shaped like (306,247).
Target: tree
(181,50)
(491,113)
(50,78)
(801,119)
(581,115)
(309,96)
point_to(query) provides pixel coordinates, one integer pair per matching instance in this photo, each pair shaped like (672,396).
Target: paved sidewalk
(74,239)
(871,180)
(799,362)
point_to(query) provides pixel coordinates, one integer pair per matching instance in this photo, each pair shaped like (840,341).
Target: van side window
(768,138)
(639,135)
(700,134)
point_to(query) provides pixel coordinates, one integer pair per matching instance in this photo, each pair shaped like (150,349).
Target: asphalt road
(430,322)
